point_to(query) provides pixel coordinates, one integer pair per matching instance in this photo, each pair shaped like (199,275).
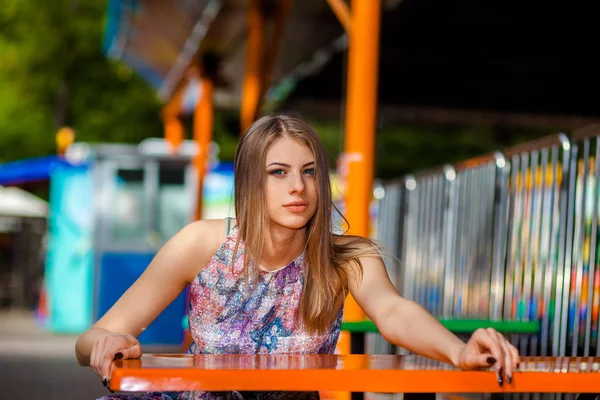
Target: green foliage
(404,149)
(53,73)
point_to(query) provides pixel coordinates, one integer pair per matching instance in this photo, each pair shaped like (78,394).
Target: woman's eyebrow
(288,165)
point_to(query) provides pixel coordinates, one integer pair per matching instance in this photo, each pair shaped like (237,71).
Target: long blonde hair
(327,262)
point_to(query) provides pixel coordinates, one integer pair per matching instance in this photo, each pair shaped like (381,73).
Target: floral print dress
(226,317)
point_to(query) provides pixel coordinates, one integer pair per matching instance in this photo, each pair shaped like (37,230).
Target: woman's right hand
(112,347)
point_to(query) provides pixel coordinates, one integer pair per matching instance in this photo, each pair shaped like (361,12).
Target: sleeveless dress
(227,317)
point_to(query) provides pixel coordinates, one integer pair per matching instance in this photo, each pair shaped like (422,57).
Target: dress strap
(228,219)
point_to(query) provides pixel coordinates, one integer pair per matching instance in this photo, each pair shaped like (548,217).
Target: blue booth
(112,207)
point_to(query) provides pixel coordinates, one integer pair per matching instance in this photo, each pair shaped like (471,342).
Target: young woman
(276,281)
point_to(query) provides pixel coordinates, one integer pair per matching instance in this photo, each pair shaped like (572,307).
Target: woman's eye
(277,172)
(309,171)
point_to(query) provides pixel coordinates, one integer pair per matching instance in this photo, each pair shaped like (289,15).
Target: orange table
(350,373)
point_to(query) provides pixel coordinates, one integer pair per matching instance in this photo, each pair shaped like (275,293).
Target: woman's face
(290,184)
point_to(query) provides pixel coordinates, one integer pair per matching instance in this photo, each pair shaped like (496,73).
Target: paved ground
(35,364)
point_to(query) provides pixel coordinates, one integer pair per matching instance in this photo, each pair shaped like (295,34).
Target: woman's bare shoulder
(201,240)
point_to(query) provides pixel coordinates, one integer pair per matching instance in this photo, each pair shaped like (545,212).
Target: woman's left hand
(487,348)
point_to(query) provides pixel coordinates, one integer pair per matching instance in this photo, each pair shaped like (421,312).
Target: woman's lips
(296,206)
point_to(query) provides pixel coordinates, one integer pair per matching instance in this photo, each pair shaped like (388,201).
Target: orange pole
(341,11)
(252,85)
(203,134)
(361,117)
(174,130)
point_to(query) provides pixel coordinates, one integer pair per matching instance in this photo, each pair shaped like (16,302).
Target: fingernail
(518,365)
(500,379)
(509,379)
(491,360)
(105,383)
(118,356)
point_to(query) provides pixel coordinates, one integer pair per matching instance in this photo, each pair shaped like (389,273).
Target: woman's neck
(282,246)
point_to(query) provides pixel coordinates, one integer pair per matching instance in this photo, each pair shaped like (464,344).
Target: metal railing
(511,235)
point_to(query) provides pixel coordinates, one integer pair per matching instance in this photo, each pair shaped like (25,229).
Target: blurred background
(119,120)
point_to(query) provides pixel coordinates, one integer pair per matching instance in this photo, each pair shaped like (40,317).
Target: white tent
(15,202)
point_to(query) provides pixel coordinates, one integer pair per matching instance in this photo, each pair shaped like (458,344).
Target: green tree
(53,73)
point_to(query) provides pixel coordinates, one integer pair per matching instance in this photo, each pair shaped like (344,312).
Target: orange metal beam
(361,117)
(203,134)
(174,131)
(342,12)
(252,84)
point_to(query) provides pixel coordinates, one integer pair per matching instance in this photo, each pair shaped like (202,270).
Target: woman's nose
(297,184)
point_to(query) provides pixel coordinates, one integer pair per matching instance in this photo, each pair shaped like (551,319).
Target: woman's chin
(292,222)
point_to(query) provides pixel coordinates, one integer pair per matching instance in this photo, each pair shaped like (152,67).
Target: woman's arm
(407,324)
(175,265)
